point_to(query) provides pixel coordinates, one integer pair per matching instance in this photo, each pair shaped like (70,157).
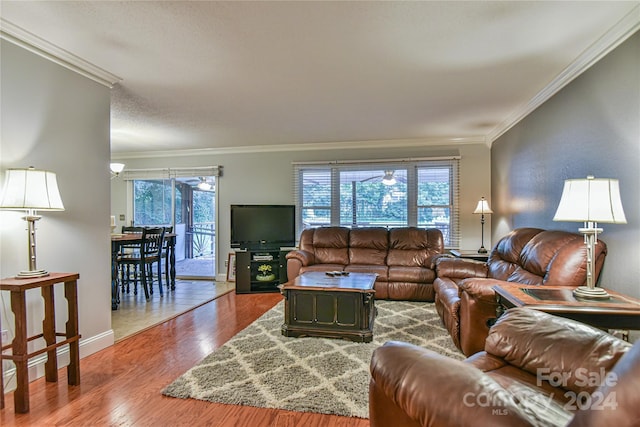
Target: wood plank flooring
(120,385)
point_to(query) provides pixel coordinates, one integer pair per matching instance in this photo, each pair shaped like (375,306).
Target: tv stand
(250,278)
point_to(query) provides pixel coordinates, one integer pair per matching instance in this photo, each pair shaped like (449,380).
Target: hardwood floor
(120,386)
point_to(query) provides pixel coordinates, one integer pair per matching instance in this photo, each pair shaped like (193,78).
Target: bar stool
(19,352)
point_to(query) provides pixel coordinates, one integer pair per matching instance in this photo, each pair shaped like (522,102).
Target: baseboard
(36,365)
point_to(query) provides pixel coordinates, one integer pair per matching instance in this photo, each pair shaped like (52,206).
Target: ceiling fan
(388,178)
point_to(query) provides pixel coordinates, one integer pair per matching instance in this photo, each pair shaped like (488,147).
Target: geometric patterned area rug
(261,367)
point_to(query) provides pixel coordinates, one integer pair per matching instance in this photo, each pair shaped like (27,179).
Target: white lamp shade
(26,189)
(591,199)
(483,207)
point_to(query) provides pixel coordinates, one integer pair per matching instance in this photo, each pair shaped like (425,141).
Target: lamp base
(30,274)
(482,250)
(590,293)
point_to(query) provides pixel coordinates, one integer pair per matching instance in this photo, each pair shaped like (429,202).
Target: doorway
(188,205)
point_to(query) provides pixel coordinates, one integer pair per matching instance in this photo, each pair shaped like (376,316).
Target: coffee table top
(556,298)
(354,282)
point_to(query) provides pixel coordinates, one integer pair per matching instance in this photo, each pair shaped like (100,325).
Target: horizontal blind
(167,173)
(317,189)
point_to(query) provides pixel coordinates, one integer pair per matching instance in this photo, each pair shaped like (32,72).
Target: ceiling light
(388,178)
(116,168)
(204,185)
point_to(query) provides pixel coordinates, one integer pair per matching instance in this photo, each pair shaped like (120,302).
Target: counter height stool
(19,351)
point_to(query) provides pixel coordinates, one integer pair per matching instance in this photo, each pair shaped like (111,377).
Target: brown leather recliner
(537,370)
(403,257)
(464,296)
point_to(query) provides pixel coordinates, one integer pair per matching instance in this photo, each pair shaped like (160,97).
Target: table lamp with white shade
(591,200)
(31,190)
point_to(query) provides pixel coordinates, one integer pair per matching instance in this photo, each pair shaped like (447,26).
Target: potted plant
(265,273)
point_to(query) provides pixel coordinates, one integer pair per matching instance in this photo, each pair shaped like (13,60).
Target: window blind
(422,193)
(168,173)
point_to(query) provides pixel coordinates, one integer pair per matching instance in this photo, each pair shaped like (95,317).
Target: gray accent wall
(591,127)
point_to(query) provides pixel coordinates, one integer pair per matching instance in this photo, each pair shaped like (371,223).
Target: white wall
(55,119)
(267,177)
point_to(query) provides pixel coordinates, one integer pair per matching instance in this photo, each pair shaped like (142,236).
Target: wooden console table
(19,352)
(618,312)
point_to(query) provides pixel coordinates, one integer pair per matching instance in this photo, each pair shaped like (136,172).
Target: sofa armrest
(431,261)
(412,383)
(477,310)
(305,257)
(460,268)
(480,289)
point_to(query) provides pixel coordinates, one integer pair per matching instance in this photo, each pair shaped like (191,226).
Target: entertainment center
(262,235)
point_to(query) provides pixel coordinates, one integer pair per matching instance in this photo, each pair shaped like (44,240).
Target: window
(420,193)
(152,202)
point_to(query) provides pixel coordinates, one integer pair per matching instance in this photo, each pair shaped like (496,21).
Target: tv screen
(262,226)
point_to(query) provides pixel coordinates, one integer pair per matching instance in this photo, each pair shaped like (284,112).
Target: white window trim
(411,165)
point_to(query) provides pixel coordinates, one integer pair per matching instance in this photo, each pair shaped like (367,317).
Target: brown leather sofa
(536,369)
(465,299)
(403,258)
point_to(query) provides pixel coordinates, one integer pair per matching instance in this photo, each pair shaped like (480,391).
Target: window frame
(451,233)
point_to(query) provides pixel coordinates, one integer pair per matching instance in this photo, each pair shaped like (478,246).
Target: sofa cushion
(409,291)
(616,403)
(412,246)
(380,270)
(368,246)
(329,245)
(411,274)
(571,353)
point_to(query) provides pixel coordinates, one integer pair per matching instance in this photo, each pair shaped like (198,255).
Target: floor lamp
(482,209)
(591,201)
(31,190)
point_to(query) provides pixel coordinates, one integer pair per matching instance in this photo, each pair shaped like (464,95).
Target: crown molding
(624,29)
(29,41)
(387,143)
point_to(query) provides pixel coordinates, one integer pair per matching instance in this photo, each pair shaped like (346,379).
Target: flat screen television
(263,226)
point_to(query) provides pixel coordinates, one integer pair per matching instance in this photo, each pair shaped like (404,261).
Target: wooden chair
(125,270)
(150,252)
(165,256)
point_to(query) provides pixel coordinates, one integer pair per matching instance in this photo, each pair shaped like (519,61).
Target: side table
(475,255)
(618,312)
(19,352)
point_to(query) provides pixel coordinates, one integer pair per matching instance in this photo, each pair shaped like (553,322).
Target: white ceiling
(232,75)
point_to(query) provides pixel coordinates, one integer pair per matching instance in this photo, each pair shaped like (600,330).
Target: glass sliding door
(188,205)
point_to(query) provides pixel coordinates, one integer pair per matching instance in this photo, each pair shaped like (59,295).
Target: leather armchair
(464,296)
(534,367)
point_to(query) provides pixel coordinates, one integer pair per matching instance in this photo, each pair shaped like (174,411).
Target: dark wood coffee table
(319,305)
(618,312)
